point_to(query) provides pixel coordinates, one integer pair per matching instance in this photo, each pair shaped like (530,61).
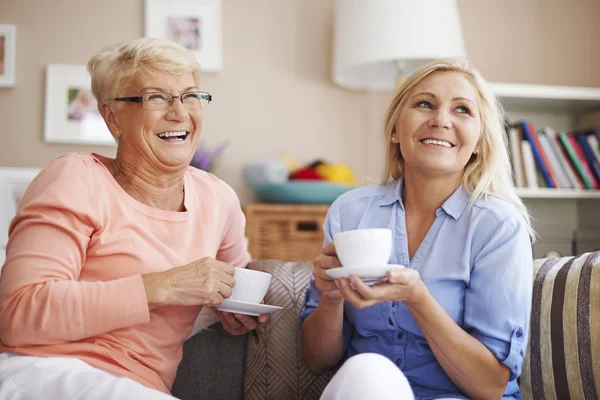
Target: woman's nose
(176,110)
(440,119)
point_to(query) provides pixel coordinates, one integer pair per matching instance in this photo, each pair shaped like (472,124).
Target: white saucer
(373,273)
(241,307)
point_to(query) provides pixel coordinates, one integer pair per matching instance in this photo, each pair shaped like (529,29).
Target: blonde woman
(109,261)
(454,323)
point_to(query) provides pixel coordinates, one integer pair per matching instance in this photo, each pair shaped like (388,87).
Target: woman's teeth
(181,135)
(437,142)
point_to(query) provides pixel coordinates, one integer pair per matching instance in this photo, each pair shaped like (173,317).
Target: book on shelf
(563,159)
(588,155)
(544,158)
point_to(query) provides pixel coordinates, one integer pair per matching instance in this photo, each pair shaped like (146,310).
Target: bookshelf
(566,220)
(547,193)
(561,99)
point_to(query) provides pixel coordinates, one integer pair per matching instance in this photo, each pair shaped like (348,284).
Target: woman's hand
(324,261)
(404,285)
(202,282)
(239,324)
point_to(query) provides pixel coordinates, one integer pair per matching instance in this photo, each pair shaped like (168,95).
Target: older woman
(454,322)
(109,261)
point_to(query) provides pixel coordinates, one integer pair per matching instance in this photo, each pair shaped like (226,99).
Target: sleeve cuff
(130,299)
(311,301)
(510,354)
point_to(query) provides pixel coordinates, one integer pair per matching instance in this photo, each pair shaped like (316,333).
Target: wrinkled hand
(324,261)
(203,282)
(404,285)
(240,324)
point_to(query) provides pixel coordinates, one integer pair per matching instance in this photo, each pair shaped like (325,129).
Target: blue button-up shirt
(475,261)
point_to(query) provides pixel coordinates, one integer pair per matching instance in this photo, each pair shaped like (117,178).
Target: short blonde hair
(115,66)
(487,173)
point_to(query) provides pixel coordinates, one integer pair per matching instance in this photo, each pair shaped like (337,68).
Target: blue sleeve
(313,295)
(498,299)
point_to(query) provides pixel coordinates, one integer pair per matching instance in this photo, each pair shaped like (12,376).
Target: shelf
(544,98)
(547,193)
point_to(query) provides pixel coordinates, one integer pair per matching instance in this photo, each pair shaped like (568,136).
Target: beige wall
(273,95)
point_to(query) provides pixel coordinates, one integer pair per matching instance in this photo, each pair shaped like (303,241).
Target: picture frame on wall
(195,24)
(71,111)
(8,54)
(13,183)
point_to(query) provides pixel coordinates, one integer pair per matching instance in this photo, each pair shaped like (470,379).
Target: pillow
(275,368)
(212,366)
(563,356)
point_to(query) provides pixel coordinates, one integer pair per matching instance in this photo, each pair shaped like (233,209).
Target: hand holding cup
(251,286)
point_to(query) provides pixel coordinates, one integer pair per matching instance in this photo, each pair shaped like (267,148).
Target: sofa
(562,359)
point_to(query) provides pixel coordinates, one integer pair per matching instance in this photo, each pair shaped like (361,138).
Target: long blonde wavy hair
(488,173)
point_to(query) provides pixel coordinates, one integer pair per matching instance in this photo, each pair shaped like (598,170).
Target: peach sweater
(71,284)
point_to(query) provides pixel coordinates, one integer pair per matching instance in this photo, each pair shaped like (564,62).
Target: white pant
(368,376)
(66,378)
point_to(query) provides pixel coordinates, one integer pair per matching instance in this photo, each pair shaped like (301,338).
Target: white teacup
(250,286)
(364,247)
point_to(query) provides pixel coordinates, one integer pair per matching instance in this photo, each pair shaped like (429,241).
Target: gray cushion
(212,366)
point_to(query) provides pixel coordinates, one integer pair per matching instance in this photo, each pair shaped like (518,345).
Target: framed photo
(13,183)
(195,24)
(8,52)
(71,112)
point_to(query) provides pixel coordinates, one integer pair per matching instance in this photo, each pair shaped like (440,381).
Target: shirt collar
(457,203)
(454,206)
(393,193)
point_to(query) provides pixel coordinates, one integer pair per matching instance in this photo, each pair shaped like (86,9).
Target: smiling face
(439,126)
(160,139)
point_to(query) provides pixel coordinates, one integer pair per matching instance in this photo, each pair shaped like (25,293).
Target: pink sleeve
(41,300)
(233,249)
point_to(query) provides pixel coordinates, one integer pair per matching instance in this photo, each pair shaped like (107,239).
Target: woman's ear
(111,120)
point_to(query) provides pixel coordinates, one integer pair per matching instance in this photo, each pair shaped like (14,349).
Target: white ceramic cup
(363,247)
(250,286)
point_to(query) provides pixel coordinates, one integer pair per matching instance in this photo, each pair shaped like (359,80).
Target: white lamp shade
(373,37)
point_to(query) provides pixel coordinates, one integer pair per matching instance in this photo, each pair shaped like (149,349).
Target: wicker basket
(288,232)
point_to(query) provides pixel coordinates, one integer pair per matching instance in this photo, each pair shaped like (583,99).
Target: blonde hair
(115,66)
(487,173)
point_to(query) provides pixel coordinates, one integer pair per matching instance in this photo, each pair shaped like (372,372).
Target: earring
(477,151)
(393,139)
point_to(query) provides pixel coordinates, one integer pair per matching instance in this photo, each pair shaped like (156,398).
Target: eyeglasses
(162,100)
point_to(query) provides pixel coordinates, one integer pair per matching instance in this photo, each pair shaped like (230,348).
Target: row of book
(546,158)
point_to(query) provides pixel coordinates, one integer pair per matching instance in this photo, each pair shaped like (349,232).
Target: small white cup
(250,286)
(364,247)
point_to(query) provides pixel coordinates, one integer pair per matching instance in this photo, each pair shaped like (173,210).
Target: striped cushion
(563,358)
(274,365)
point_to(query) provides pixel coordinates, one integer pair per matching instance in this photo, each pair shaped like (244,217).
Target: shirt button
(519,332)
(400,336)
(398,361)
(391,322)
